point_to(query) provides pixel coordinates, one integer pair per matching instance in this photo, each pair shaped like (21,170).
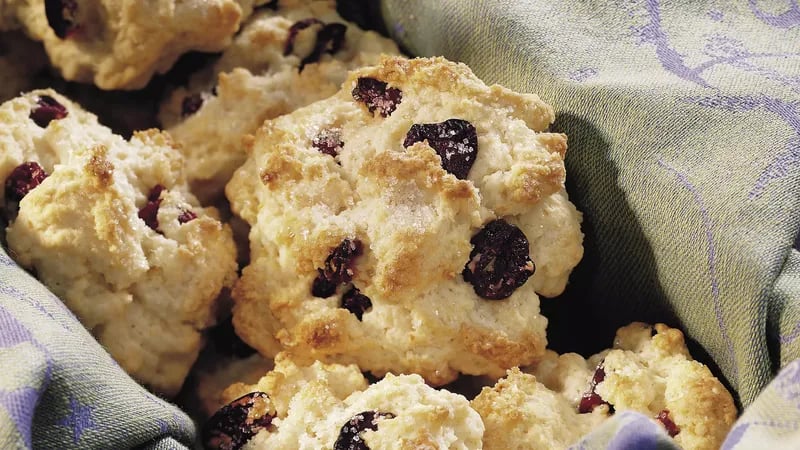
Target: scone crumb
(100,167)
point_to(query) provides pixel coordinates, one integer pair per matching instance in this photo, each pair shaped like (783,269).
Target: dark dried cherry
(330,40)
(237,422)
(149,212)
(499,262)
(350,434)
(669,425)
(296,27)
(322,287)
(61,16)
(47,109)
(455,140)
(186,216)
(377,95)
(23,179)
(356,302)
(328,142)
(591,399)
(191,104)
(338,268)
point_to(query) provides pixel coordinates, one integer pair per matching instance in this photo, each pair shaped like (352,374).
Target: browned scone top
(332,406)
(396,225)
(564,397)
(109,226)
(121,44)
(284,58)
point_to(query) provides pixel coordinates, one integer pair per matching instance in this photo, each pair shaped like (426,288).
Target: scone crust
(521,413)
(648,370)
(651,374)
(121,44)
(145,293)
(312,403)
(255,79)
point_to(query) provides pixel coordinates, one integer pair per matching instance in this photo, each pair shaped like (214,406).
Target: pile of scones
(372,228)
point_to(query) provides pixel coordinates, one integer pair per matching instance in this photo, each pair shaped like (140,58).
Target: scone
(120,44)
(396,225)
(649,370)
(110,227)
(282,60)
(20,60)
(331,406)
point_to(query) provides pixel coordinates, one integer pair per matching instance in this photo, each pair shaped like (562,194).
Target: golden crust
(313,402)
(414,220)
(289,376)
(501,409)
(555,142)
(121,44)
(419,162)
(145,294)
(443,75)
(701,407)
(100,167)
(521,413)
(255,80)
(538,180)
(499,348)
(324,336)
(280,166)
(538,170)
(649,370)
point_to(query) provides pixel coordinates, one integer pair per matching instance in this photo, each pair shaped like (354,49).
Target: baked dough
(260,76)
(648,370)
(110,227)
(360,244)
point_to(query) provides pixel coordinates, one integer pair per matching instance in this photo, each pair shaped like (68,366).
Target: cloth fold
(684,155)
(59,388)
(683,121)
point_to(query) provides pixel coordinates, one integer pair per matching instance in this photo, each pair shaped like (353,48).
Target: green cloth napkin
(684,132)
(60,390)
(683,120)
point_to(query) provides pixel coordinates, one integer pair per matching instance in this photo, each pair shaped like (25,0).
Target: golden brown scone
(120,44)
(649,370)
(332,406)
(110,227)
(282,60)
(521,413)
(368,247)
